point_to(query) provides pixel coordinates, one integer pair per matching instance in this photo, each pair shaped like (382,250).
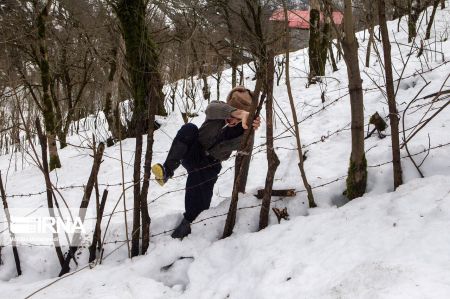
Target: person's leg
(185,138)
(199,189)
(198,193)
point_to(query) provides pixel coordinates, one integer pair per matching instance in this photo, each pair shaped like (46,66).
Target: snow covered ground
(384,245)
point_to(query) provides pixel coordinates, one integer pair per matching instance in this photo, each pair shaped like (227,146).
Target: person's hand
(242,115)
(256,123)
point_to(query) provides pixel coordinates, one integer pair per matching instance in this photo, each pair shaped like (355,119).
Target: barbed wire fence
(92,125)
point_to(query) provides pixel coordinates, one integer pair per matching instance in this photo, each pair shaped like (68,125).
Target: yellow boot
(160,174)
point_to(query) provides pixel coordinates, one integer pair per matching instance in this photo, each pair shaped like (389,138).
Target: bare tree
(393,113)
(142,65)
(413,16)
(357,171)
(318,41)
(72,60)
(272,158)
(76,240)
(370,23)
(431,21)
(8,220)
(301,165)
(48,184)
(252,17)
(112,100)
(47,105)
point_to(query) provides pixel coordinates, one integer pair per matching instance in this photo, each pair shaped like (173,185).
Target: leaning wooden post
(245,145)
(11,233)
(96,238)
(84,204)
(245,161)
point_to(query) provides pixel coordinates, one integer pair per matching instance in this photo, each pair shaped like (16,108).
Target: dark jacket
(217,139)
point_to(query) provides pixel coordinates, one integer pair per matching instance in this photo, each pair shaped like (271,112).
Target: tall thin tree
(142,63)
(316,63)
(272,158)
(393,113)
(357,171)
(49,115)
(413,16)
(301,165)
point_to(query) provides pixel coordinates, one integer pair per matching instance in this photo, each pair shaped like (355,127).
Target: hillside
(385,244)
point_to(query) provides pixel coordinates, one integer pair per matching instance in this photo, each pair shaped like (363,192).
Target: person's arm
(233,132)
(219,110)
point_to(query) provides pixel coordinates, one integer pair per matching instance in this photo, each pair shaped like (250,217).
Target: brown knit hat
(240,98)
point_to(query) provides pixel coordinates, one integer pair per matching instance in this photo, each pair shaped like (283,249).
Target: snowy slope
(383,245)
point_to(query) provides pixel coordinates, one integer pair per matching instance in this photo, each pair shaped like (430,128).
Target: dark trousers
(202,170)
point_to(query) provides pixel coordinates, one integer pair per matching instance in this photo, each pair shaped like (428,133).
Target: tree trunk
(370,41)
(142,60)
(430,23)
(112,109)
(339,49)
(141,57)
(314,49)
(396,11)
(393,113)
(333,60)
(233,76)
(325,42)
(259,49)
(76,239)
(233,63)
(135,234)
(357,171)
(301,166)
(201,73)
(154,93)
(11,233)
(245,161)
(272,158)
(49,188)
(218,79)
(58,113)
(49,116)
(244,148)
(414,12)
(62,138)
(206,92)
(96,237)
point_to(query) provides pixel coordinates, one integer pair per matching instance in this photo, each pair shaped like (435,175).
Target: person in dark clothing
(201,150)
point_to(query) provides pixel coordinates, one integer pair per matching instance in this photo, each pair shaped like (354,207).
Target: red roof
(300,18)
